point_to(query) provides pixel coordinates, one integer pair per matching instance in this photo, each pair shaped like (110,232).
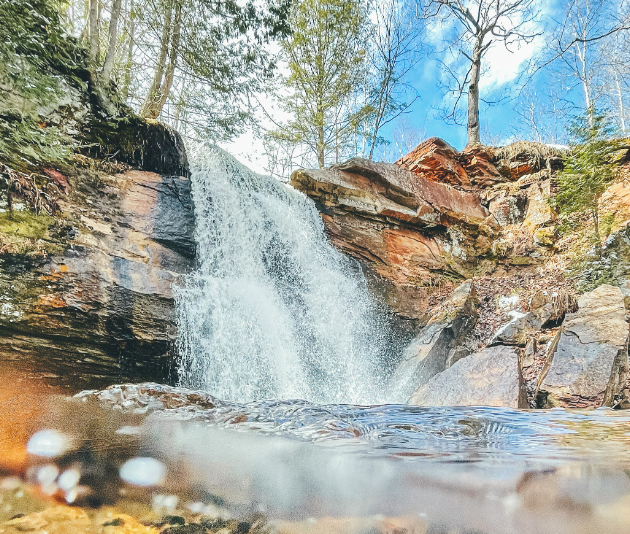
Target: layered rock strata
(100,303)
(401,226)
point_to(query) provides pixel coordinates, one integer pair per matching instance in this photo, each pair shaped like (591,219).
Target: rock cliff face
(93,292)
(440,224)
(90,244)
(403,227)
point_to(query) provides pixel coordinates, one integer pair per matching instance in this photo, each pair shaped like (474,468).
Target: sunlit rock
(590,364)
(404,227)
(435,160)
(491,377)
(439,343)
(102,303)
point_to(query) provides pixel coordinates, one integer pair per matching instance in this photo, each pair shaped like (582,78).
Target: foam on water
(273,311)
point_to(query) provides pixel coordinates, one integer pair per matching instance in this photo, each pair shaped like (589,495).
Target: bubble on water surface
(48,443)
(142,471)
(69,479)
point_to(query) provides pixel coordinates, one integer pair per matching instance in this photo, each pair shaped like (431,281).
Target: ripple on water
(444,434)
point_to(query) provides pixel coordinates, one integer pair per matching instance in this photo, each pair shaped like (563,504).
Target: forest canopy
(319,81)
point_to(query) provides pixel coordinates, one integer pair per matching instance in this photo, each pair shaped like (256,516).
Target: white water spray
(273,310)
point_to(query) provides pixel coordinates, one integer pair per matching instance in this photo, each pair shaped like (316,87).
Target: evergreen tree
(325,55)
(32,51)
(590,168)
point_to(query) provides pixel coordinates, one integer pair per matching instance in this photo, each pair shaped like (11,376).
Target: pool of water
(473,469)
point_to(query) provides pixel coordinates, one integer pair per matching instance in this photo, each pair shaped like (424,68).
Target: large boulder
(438,345)
(491,377)
(590,362)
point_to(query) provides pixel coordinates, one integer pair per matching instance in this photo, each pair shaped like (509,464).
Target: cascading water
(273,310)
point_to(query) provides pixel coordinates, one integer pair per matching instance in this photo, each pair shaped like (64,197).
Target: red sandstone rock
(435,160)
(477,162)
(401,225)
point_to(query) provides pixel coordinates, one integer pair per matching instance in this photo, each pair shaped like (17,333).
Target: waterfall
(273,310)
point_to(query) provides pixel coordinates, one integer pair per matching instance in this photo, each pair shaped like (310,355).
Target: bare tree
(542,115)
(111,44)
(581,60)
(166,61)
(94,23)
(396,43)
(481,24)
(130,35)
(404,138)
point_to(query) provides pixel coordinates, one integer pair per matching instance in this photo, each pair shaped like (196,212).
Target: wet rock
(590,363)
(351,525)
(101,304)
(491,377)
(438,345)
(72,520)
(186,529)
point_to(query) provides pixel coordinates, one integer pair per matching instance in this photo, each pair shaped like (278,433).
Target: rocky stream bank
(468,252)
(91,241)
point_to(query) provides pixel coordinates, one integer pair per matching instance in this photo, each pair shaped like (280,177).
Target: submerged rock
(589,366)
(491,377)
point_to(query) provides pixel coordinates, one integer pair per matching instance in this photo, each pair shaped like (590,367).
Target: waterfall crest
(273,310)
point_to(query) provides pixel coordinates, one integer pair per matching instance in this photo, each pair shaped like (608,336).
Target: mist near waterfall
(273,310)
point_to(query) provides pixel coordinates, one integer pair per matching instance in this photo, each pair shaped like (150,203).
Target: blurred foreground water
(305,467)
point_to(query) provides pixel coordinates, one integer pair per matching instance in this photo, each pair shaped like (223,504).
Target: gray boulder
(438,345)
(590,363)
(490,377)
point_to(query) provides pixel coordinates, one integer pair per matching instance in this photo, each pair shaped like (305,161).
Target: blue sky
(503,71)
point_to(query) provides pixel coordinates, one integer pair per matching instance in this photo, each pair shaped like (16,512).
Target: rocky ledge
(466,247)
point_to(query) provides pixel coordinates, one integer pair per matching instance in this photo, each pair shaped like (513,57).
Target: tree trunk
(160,67)
(320,146)
(473,97)
(94,30)
(320,135)
(124,91)
(165,88)
(111,44)
(622,110)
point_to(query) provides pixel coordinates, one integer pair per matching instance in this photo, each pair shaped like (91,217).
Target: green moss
(26,224)
(24,144)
